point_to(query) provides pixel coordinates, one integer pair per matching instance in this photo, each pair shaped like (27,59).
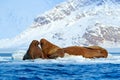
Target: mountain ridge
(75,22)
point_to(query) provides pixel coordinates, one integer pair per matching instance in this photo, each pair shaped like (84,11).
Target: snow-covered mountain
(74,22)
(15,18)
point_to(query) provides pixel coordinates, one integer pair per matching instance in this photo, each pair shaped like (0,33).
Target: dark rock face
(100,33)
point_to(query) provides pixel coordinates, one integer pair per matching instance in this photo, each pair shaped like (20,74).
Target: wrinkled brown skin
(58,53)
(87,52)
(102,50)
(49,49)
(34,51)
(74,50)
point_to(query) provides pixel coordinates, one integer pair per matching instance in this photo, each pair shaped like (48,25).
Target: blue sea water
(68,68)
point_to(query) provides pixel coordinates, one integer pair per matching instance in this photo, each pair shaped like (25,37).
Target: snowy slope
(75,22)
(16,16)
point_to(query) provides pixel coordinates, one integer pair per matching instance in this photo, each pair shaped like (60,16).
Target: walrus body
(49,49)
(102,50)
(87,52)
(34,51)
(73,50)
(58,53)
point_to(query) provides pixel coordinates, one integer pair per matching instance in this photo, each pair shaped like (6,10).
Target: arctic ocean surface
(12,67)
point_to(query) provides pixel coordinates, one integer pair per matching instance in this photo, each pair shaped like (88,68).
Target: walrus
(34,51)
(50,50)
(87,52)
(102,50)
(58,53)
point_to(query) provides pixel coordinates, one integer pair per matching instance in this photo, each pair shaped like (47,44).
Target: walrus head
(43,42)
(47,47)
(29,52)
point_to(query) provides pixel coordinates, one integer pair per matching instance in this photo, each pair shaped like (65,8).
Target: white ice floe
(18,55)
(68,59)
